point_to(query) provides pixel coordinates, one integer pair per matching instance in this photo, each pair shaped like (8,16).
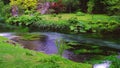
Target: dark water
(48,46)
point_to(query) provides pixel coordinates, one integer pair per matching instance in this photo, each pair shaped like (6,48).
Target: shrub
(73,20)
(38,22)
(78,26)
(94,26)
(24,20)
(103,27)
(4,10)
(80,14)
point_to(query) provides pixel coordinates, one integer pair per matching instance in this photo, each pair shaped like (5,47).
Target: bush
(73,20)
(4,11)
(24,20)
(38,22)
(80,14)
(103,27)
(80,27)
(95,27)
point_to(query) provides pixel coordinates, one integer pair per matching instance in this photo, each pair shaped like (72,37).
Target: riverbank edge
(13,54)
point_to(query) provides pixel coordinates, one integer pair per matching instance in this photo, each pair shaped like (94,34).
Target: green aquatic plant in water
(61,46)
(32,36)
(29,36)
(115,61)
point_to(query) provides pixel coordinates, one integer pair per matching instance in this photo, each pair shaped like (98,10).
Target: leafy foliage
(80,14)
(38,22)
(115,61)
(27,4)
(61,46)
(96,25)
(4,10)
(78,26)
(71,5)
(73,20)
(90,5)
(113,6)
(24,20)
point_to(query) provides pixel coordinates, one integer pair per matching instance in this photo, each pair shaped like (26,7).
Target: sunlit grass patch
(85,17)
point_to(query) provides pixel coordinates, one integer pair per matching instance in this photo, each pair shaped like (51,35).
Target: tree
(71,5)
(90,5)
(26,4)
(4,10)
(6,1)
(113,6)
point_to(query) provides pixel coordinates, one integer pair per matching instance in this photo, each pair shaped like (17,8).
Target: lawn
(85,17)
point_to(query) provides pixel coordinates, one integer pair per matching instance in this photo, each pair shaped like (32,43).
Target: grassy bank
(17,57)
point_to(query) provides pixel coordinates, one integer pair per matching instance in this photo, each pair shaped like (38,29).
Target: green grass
(18,57)
(86,17)
(31,36)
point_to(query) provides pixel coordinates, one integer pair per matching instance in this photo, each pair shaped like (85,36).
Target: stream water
(48,46)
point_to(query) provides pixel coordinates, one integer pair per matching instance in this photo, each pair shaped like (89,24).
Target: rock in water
(105,64)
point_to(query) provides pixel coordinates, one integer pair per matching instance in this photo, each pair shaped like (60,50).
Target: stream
(48,46)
